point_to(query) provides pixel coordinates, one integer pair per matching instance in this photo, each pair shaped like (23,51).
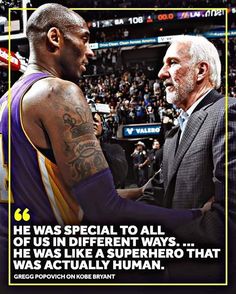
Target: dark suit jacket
(196,171)
(116,159)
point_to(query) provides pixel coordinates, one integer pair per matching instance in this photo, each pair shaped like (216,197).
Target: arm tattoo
(77,130)
(83,115)
(82,149)
(88,160)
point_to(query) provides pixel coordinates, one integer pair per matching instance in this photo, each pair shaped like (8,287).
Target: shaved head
(48,16)
(58,41)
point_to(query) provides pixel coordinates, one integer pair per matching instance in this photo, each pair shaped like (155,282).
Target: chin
(172,98)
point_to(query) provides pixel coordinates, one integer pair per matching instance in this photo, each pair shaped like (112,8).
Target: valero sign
(14,61)
(141,130)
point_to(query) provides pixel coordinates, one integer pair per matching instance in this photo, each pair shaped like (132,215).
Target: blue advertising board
(138,131)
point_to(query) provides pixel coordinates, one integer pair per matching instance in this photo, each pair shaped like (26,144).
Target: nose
(89,52)
(163,73)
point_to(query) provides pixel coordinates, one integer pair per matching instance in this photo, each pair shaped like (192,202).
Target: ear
(54,39)
(202,70)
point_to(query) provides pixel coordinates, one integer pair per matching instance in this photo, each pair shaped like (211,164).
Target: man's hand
(145,185)
(133,193)
(207,206)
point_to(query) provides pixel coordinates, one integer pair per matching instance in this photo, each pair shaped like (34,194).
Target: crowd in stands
(118,34)
(132,97)
(5,4)
(132,94)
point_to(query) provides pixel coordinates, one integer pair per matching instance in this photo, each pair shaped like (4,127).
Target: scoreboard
(156,17)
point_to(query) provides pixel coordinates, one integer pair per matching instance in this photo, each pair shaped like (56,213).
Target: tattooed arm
(56,116)
(70,129)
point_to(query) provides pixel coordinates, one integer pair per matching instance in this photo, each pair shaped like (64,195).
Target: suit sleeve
(154,191)
(210,228)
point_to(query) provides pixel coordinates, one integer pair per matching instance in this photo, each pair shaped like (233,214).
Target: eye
(85,39)
(172,61)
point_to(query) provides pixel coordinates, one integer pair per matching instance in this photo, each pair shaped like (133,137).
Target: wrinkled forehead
(178,50)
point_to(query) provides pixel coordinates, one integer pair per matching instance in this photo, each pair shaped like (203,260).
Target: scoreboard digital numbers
(118,21)
(159,17)
(133,20)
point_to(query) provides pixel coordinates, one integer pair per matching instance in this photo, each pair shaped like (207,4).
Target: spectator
(140,164)
(140,112)
(114,154)
(155,158)
(150,113)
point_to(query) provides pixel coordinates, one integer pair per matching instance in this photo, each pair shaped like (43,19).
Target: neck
(34,66)
(194,96)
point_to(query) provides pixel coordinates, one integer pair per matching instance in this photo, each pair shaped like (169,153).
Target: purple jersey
(36,182)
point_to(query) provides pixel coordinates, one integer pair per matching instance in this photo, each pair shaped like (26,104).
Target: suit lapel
(194,124)
(169,151)
(192,128)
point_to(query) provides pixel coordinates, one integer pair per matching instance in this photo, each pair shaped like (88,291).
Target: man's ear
(54,39)
(202,70)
